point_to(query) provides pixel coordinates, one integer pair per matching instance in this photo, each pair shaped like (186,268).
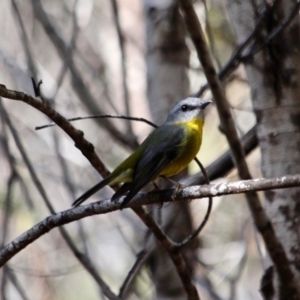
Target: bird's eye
(184,108)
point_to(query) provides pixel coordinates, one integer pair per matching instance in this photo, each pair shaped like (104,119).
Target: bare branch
(275,32)
(262,222)
(25,42)
(101,116)
(236,57)
(14,280)
(123,60)
(210,36)
(206,217)
(13,164)
(7,208)
(224,164)
(141,257)
(86,148)
(173,252)
(84,260)
(106,206)
(158,232)
(77,80)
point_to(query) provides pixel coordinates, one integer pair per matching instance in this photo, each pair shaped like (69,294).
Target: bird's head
(188,110)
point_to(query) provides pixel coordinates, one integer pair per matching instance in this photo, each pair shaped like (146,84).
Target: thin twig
(69,186)
(206,217)
(7,208)
(141,257)
(236,58)
(101,116)
(4,228)
(174,254)
(77,81)
(123,61)
(224,163)
(13,164)
(241,266)
(211,36)
(60,272)
(70,50)
(25,42)
(14,280)
(274,33)
(63,164)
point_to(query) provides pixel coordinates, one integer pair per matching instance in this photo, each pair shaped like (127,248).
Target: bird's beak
(203,105)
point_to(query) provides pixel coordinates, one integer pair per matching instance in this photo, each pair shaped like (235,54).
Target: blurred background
(124,57)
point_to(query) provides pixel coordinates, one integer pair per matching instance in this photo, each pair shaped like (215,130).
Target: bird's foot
(156,188)
(178,186)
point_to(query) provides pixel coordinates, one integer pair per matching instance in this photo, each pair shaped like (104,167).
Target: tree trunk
(274,77)
(167,64)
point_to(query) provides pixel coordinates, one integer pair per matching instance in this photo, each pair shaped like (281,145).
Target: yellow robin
(164,153)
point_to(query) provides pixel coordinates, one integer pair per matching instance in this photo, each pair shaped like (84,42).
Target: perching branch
(106,206)
(219,168)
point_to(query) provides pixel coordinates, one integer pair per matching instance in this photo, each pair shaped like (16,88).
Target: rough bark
(167,82)
(273,75)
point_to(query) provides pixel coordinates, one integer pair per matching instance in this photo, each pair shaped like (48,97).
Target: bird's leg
(156,188)
(176,184)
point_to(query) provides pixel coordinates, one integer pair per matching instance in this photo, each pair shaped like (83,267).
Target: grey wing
(155,158)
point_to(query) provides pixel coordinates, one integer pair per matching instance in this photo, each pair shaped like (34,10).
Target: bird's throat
(196,124)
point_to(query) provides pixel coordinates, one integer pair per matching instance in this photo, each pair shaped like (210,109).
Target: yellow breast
(188,149)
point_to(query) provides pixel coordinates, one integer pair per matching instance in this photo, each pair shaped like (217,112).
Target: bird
(166,151)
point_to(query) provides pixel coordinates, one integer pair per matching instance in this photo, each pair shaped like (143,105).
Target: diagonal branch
(77,80)
(275,32)
(224,163)
(76,135)
(88,150)
(262,222)
(173,252)
(141,257)
(237,57)
(84,259)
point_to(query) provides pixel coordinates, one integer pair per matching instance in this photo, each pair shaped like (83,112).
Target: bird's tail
(92,191)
